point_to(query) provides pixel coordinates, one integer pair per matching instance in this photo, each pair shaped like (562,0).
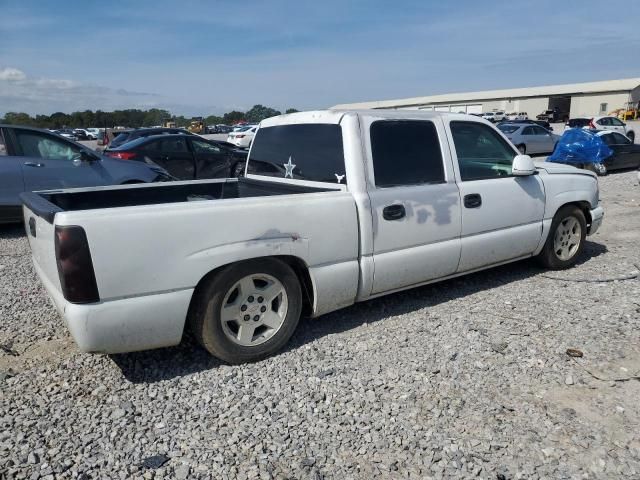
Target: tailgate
(40,234)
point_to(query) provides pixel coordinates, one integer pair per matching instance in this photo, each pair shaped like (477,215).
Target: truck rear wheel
(247,311)
(565,241)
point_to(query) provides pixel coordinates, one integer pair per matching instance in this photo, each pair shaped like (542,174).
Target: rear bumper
(125,325)
(597,214)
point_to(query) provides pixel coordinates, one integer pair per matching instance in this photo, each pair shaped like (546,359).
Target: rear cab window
(405,152)
(312,152)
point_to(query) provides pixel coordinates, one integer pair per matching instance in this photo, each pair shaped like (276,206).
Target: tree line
(133,118)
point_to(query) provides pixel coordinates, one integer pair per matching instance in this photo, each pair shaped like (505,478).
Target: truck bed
(47,204)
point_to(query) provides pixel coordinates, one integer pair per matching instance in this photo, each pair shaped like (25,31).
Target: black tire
(206,322)
(522,148)
(548,257)
(632,136)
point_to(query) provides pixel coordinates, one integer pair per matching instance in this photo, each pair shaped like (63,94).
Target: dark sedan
(626,154)
(186,157)
(34,159)
(126,136)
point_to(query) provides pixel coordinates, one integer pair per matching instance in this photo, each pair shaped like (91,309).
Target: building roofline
(622,85)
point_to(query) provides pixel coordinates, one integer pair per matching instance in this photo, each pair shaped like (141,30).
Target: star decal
(289,168)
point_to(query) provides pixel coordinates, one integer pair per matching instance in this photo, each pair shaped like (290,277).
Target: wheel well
(584,207)
(297,265)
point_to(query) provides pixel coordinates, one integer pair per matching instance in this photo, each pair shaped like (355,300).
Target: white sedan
(613,124)
(529,138)
(243,137)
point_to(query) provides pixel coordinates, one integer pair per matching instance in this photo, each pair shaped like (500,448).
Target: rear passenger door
(415,203)
(172,154)
(501,213)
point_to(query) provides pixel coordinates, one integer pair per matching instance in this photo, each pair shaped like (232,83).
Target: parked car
(626,154)
(361,204)
(517,116)
(529,139)
(125,136)
(35,159)
(95,132)
(544,124)
(597,150)
(66,133)
(82,134)
(494,116)
(186,157)
(613,124)
(553,116)
(243,137)
(581,122)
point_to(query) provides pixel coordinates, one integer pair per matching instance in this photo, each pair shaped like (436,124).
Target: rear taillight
(75,268)
(592,125)
(121,155)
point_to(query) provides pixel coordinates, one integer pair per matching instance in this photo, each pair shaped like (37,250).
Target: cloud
(20,92)
(9,74)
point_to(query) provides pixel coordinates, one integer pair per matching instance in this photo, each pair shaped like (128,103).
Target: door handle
(33,164)
(394,212)
(473,200)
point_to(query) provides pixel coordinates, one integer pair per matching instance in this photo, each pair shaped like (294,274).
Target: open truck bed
(46,204)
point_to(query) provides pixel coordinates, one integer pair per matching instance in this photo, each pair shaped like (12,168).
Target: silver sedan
(529,138)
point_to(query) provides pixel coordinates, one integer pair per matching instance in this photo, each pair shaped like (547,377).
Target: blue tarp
(580,146)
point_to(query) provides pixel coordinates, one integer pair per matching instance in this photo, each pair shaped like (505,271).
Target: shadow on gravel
(12,230)
(188,357)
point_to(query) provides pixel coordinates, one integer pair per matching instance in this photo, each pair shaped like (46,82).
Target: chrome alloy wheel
(567,238)
(254,309)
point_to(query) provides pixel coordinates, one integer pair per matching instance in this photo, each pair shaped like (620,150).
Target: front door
(501,214)
(50,162)
(172,154)
(211,160)
(415,203)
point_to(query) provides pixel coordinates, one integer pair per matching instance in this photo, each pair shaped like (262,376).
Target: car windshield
(508,128)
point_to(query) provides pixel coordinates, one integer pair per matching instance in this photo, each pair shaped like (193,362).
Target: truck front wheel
(566,238)
(247,311)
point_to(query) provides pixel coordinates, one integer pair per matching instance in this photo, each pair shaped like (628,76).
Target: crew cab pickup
(335,207)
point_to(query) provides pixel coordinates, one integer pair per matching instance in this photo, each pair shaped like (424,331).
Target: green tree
(213,120)
(291,110)
(233,117)
(18,118)
(257,113)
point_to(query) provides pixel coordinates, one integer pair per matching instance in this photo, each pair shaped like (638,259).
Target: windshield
(508,128)
(311,152)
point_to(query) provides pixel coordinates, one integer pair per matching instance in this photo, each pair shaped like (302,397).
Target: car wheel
(247,311)
(522,148)
(565,241)
(632,136)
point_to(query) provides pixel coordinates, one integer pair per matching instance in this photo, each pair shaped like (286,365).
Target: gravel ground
(464,379)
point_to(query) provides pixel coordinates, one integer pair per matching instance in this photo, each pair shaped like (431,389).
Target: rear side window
(310,151)
(405,152)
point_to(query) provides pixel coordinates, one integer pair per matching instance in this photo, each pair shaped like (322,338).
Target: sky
(210,57)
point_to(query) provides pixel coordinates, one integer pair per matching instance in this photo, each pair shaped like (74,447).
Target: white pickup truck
(335,207)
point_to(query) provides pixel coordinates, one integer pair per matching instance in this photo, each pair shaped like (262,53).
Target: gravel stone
(405,386)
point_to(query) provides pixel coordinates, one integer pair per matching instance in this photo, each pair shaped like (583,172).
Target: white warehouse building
(574,100)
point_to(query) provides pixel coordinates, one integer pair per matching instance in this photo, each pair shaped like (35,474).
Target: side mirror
(523,166)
